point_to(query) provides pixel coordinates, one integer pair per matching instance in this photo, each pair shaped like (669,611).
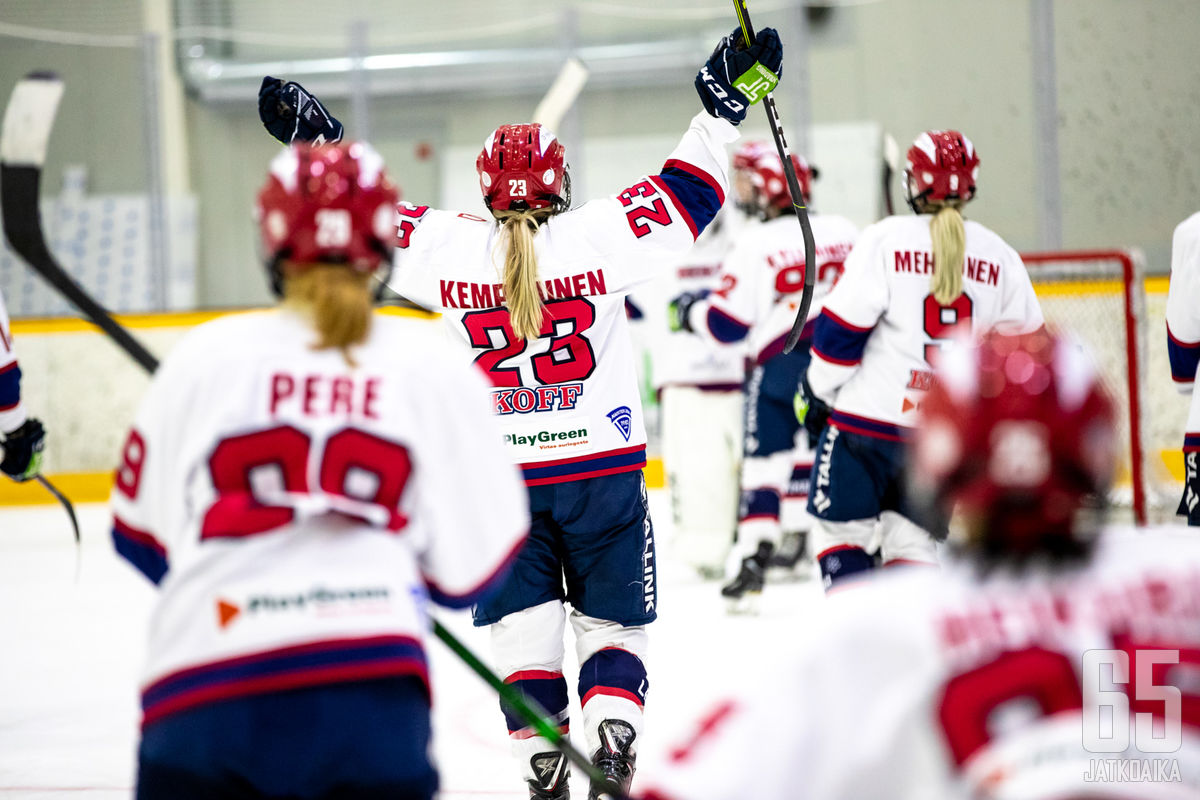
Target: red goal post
(1100,296)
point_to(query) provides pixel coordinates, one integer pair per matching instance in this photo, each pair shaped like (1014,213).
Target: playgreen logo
(756,83)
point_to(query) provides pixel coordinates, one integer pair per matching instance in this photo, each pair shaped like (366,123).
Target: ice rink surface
(71,646)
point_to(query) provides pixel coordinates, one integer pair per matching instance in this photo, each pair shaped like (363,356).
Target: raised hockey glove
(291,114)
(680,308)
(811,411)
(23,451)
(736,77)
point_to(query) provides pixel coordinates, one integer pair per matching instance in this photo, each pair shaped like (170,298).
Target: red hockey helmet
(523,168)
(1020,433)
(942,166)
(748,152)
(331,203)
(760,163)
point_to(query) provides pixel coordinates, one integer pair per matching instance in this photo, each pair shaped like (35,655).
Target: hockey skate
(613,758)
(550,777)
(792,561)
(744,591)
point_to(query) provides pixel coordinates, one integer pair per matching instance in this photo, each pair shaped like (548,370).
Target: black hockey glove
(736,77)
(23,451)
(812,412)
(679,309)
(291,114)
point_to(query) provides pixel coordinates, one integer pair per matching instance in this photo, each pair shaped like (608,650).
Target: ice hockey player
(1183,347)
(699,384)
(300,483)
(990,678)
(537,293)
(761,284)
(22,438)
(909,285)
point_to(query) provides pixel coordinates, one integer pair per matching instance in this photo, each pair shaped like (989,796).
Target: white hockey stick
(891,164)
(561,94)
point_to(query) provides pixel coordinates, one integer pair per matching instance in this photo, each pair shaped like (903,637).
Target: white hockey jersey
(683,358)
(881,327)
(924,684)
(1183,320)
(12,412)
(297,513)
(568,401)
(763,279)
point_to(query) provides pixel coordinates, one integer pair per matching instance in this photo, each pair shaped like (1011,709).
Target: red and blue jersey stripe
(837,341)
(1184,357)
(312,664)
(140,548)
(865,426)
(594,465)
(696,194)
(725,327)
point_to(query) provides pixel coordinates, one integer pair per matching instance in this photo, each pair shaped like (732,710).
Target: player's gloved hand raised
(23,451)
(291,114)
(679,309)
(812,412)
(736,77)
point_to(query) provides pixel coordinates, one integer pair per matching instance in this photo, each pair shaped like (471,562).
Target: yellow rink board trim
(94,487)
(186,319)
(170,319)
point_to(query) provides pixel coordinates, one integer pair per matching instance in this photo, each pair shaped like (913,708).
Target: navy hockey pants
(349,740)
(593,534)
(770,414)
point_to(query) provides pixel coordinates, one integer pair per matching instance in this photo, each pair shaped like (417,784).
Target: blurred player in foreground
(22,438)
(760,287)
(1043,662)
(1183,348)
(300,483)
(537,293)
(910,282)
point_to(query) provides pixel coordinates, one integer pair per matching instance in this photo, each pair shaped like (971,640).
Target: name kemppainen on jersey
(466,294)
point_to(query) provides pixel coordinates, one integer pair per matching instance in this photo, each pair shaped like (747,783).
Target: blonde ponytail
(949,248)
(521,295)
(337,300)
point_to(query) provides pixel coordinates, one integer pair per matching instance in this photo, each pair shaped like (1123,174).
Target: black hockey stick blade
(23,140)
(798,201)
(66,504)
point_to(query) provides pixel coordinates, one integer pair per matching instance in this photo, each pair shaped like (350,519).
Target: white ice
(71,647)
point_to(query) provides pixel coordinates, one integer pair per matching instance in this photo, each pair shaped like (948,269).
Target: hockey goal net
(1101,297)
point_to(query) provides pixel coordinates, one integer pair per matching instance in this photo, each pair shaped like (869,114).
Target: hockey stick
(529,710)
(561,94)
(798,201)
(23,140)
(891,161)
(66,504)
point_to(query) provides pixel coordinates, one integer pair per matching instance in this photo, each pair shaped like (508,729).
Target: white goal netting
(1103,298)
